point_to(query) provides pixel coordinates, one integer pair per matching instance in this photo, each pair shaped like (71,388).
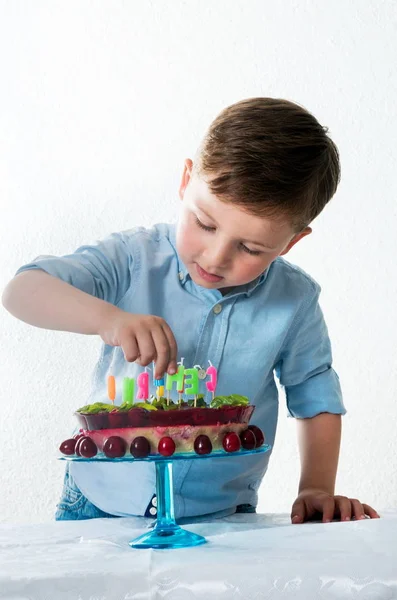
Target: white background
(100,103)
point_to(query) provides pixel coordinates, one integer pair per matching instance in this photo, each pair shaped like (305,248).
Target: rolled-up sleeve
(305,367)
(102,269)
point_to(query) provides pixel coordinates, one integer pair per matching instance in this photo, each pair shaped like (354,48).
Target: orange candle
(111,388)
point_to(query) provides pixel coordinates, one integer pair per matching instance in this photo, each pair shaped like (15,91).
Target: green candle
(128,390)
(178,378)
(191,382)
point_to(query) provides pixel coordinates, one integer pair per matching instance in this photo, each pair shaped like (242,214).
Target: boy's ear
(186,176)
(296,239)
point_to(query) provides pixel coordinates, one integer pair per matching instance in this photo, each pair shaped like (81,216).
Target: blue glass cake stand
(166,533)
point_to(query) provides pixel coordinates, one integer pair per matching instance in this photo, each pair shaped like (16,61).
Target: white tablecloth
(247,557)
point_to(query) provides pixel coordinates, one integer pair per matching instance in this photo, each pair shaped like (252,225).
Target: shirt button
(181,275)
(154,500)
(153,511)
(217,309)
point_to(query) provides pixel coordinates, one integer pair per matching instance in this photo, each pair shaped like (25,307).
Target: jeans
(73,506)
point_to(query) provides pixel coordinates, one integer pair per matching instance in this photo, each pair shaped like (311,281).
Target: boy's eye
(252,252)
(205,227)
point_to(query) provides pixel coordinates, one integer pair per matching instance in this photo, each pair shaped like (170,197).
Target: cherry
(67,447)
(140,447)
(87,447)
(202,445)
(78,436)
(114,447)
(166,446)
(248,439)
(260,438)
(231,442)
(78,442)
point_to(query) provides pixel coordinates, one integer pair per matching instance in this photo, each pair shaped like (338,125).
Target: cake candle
(111,388)
(213,373)
(128,390)
(143,386)
(192,383)
(177,378)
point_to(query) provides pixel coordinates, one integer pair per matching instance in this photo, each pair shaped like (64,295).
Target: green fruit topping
(200,402)
(125,407)
(97,407)
(144,405)
(233,400)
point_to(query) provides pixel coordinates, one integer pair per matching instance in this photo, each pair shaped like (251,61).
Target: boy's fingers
(328,509)
(163,351)
(345,508)
(147,350)
(171,367)
(130,349)
(371,512)
(298,512)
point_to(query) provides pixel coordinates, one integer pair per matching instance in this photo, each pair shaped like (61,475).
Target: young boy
(212,287)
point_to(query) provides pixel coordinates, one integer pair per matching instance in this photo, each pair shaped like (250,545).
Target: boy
(212,287)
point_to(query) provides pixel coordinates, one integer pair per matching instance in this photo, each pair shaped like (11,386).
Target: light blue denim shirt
(273,325)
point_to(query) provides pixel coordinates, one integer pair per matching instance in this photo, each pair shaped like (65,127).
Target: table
(247,557)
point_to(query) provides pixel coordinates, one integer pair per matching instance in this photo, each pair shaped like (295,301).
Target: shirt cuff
(318,394)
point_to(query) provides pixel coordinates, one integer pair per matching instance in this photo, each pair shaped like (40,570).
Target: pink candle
(143,386)
(213,373)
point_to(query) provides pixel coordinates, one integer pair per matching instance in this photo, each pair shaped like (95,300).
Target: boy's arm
(48,302)
(314,398)
(319,443)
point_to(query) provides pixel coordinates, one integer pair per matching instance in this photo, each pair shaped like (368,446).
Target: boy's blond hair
(272,158)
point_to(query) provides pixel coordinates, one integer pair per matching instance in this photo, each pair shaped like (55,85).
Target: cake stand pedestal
(167,533)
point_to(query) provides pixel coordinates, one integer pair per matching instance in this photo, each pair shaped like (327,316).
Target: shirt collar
(182,271)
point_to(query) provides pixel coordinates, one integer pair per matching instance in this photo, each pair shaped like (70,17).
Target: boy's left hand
(314,504)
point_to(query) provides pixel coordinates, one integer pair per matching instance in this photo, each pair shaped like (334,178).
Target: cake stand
(166,533)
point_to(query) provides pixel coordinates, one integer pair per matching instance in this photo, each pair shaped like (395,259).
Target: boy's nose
(218,257)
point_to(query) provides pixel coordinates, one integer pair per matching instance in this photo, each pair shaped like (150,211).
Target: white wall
(100,103)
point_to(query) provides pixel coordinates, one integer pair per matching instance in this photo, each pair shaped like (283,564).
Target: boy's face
(221,245)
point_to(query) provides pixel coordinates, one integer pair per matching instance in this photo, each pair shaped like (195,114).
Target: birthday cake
(162,426)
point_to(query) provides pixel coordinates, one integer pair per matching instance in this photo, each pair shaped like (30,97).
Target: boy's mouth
(210,277)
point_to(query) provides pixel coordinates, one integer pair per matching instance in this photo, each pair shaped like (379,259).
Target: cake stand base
(170,537)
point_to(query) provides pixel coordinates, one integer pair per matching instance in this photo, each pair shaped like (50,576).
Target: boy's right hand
(143,338)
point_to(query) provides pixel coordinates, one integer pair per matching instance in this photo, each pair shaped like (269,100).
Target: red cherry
(78,436)
(202,445)
(140,447)
(231,442)
(248,439)
(67,447)
(166,446)
(260,438)
(78,442)
(114,447)
(87,448)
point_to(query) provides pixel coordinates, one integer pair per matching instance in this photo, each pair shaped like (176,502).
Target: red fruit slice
(166,446)
(248,439)
(114,447)
(87,448)
(202,445)
(231,442)
(67,447)
(260,438)
(140,447)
